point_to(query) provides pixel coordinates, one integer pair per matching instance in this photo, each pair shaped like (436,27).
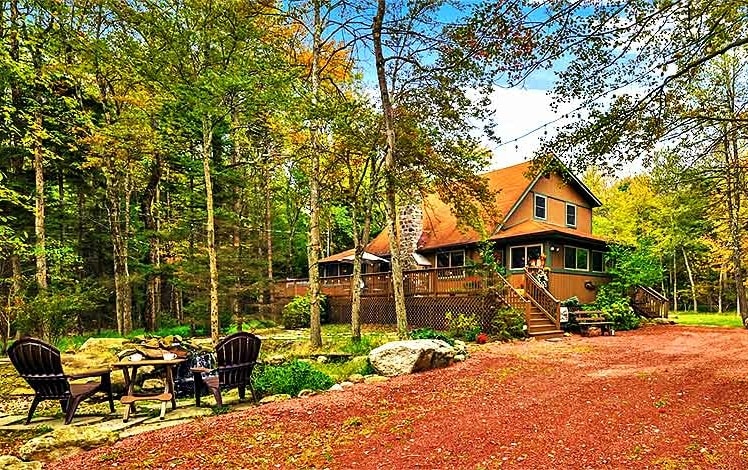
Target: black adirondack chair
(39,364)
(236,357)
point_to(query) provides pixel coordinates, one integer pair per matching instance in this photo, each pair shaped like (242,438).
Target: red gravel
(661,397)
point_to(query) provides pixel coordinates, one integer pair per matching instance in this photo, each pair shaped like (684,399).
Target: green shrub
(616,308)
(51,314)
(463,326)
(429,333)
(572,303)
(290,378)
(297,313)
(506,324)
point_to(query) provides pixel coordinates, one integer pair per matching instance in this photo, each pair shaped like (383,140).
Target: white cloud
(522,117)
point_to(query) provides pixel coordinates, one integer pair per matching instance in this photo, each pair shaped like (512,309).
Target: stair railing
(542,299)
(650,302)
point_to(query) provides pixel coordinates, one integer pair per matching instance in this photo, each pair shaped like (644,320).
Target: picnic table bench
(589,319)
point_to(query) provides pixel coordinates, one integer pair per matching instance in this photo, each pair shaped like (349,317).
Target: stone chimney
(411,227)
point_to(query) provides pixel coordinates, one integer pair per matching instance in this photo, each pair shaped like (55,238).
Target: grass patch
(340,371)
(727,320)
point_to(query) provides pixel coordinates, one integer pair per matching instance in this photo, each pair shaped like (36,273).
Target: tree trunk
(390,199)
(122,289)
(150,220)
(720,288)
(269,230)
(210,230)
(675,282)
(39,249)
(690,280)
(732,196)
(313,252)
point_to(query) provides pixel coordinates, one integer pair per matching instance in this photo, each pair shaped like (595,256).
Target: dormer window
(541,204)
(571,215)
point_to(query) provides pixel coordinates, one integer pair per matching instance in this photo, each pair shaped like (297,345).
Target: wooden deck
(431,293)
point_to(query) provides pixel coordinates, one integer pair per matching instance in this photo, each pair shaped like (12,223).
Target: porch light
(555,248)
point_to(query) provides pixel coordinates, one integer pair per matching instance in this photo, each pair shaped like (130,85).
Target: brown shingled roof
(536,227)
(440,226)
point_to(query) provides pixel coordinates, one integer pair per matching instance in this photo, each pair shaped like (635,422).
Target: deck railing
(542,298)
(650,303)
(421,282)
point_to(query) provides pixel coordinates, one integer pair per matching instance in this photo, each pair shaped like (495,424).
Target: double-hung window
(571,215)
(520,256)
(451,259)
(541,207)
(577,259)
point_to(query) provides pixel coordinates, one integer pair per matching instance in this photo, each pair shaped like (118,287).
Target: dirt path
(664,397)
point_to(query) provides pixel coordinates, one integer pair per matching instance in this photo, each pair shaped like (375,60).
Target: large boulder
(9,462)
(66,441)
(406,357)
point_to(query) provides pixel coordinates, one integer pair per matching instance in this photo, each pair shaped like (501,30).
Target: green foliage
(430,333)
(616,308)
(506,324)
(297,313)
(463,326)
(365,345)
(290,378)
(50,314)
(251,325)
(340,371)
(630,267)
(572,303)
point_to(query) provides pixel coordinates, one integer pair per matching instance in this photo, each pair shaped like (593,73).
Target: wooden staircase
(542,310)
(540,326)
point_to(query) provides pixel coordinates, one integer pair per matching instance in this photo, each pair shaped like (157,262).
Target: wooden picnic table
(130,370)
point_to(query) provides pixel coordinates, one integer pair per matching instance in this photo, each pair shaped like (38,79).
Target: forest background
(162,162)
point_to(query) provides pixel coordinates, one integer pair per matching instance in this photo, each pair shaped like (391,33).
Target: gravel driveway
(665,397)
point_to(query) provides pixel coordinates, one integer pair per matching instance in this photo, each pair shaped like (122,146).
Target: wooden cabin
(546,216)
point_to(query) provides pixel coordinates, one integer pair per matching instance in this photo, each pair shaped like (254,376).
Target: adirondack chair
(236,356)
(39,364)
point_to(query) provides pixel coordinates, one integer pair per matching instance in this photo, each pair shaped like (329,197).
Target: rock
(66,441)
(356,378)
(275,398)
(9,462)
(460,348)
(307,393)
(276,360)
(153,383)
(593,331)
(554,340)
(459,357)
(372,379)
(346,384)
(322,359)
(336,388)
(406,357)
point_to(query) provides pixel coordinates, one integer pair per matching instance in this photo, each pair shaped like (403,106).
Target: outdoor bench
(589,319)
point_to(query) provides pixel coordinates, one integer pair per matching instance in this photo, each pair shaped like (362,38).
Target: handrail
(543,299)
(654,293)
(514,299)
(648,302)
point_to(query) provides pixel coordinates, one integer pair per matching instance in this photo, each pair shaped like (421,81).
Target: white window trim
(535,206)
(592,268)
(577,248)
(525,247)
(566,215)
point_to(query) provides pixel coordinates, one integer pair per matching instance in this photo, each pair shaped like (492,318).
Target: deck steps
(540,326)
